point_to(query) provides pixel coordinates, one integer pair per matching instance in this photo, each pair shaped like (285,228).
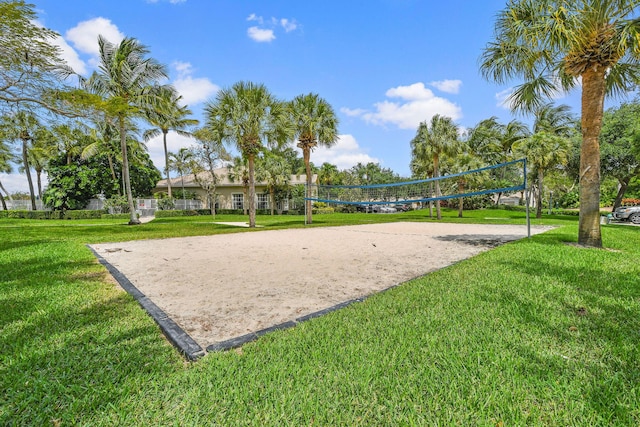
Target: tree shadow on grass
(588,319)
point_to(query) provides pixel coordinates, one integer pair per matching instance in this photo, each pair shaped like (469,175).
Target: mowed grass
(535,332)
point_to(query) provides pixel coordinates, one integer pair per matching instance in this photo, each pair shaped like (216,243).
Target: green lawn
(535,332)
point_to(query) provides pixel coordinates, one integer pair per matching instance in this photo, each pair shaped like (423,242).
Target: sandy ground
(224,286)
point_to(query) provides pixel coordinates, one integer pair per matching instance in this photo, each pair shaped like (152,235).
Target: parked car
(387,209)
(627,213)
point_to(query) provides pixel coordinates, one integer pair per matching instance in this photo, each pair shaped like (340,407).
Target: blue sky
(384,65)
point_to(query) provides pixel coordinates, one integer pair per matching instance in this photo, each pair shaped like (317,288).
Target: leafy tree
(31,69)
(168,115)
(556,45)
(315,124)
(620,142)
(70,185)
(276,173)
(205,156)
(250,117)
(144,176)
(127,81)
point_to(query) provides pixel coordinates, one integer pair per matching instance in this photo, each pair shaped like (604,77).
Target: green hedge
(24,214)
(180,212)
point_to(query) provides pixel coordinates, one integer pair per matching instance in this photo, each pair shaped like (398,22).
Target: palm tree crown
(127,81)
(315,124)
(250,117)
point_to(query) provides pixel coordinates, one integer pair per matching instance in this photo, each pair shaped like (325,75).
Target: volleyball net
(501,178)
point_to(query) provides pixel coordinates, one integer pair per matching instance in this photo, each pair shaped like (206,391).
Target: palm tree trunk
(113,172)
(461,200)
(6,192)
(184,200)
(133,218)
(166,165)
(624,183)
(272,196)
(593,90)
(306,155)
(39,182)
(436,174)
(27,170)
(4,204)
(539,199)
(252,192)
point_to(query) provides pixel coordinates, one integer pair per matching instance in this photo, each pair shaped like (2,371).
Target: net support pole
(526,194)
(306,196)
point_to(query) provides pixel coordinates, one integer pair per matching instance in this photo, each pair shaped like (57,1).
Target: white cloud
(266,31)
(174,143)
(70,56)
(84,36)
(254,17)
(260,35)
(416,91)
(288,25)
(447,86)
(417,104)
(193,89)
(17,183)
(345,154)
(502,98)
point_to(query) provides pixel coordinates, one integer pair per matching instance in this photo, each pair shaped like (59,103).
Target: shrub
(117,204)
(630,202)
(166,203)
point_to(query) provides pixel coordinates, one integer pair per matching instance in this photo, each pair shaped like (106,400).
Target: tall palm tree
(22,127)
(5,167)
(180,162)
(128,83)
(556,45)
(494,141)
(544,151)
(42,150)
(276,173)
(168,115)
(439,138)
(103,140)
(251,117)
(315,124)
(71,138)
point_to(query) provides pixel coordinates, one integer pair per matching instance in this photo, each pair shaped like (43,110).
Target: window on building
(263,201)
(238,201)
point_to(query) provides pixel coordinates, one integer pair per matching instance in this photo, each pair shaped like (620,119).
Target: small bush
(630,202)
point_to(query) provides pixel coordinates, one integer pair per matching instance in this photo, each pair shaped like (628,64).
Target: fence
(145,207)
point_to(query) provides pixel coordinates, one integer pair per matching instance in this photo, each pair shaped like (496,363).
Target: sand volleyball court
(220,291)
